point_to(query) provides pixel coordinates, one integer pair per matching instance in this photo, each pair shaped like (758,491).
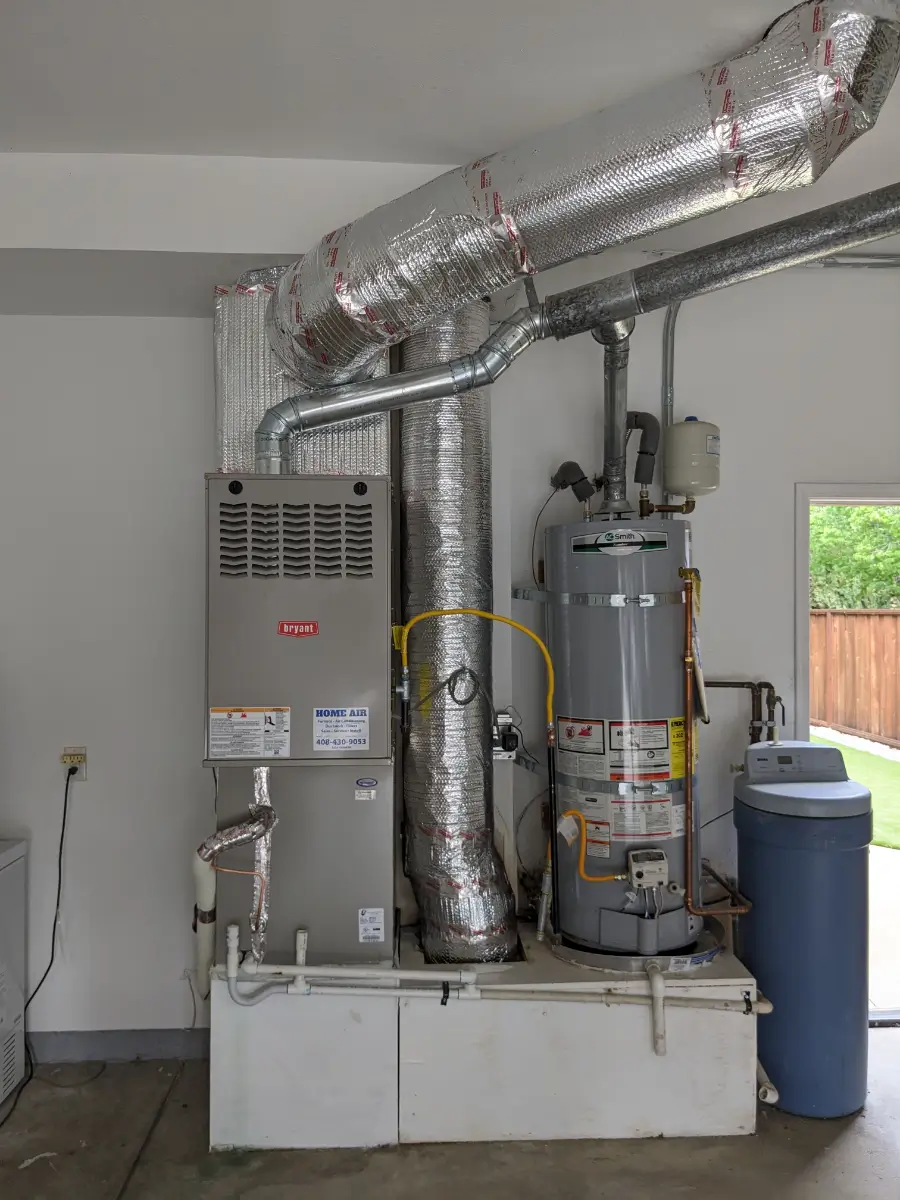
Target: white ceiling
(378,80)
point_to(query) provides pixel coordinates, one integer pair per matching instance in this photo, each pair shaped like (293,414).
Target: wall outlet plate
(75,756)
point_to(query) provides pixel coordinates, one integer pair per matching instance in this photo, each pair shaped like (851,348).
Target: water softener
(803,831)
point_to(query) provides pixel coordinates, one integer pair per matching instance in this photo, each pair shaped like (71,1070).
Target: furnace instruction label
(340,729)
(249,733)
(371,924)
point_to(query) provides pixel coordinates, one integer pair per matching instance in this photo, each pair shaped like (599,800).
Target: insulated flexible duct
(464,898)
(770,119)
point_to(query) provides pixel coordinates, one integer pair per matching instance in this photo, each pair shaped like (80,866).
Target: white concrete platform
(300,1071)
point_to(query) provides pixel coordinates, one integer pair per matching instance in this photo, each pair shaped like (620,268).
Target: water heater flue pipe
(615,337)
(833,229)
(824,231)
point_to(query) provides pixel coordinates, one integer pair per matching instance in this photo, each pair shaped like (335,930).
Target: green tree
(854,556)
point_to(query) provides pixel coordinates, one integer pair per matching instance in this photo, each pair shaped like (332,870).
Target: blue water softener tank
(803,833)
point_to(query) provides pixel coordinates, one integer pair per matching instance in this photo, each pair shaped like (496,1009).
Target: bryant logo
(298,628)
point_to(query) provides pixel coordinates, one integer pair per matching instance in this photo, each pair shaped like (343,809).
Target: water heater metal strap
(598,599)
(668,787)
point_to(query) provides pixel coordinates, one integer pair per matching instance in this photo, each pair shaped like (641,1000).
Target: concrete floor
(139,1133)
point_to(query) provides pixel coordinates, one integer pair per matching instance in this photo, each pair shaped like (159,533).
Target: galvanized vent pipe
(834,229)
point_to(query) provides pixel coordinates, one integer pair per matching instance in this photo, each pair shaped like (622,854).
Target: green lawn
(882,777)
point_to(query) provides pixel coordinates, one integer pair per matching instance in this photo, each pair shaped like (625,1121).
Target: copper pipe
(696,910)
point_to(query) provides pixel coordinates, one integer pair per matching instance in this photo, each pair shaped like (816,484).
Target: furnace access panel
(298,619)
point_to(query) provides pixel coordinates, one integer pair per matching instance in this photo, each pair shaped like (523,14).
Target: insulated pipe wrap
(464,898)
(770,119)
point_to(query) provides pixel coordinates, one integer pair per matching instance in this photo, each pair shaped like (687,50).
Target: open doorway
(848,680)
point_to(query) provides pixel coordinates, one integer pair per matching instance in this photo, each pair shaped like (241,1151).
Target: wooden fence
(854,658)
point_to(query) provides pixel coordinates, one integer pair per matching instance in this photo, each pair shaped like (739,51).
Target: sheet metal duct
(464,898)
(767,120)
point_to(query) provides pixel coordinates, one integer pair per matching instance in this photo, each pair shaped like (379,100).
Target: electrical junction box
(12,966)
(298,619)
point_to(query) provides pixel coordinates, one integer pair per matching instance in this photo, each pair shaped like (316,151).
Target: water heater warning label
(581,748)
(340,729)
(249,733)
(639,750)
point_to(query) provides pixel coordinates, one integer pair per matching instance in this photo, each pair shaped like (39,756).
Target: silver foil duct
(250,379)
(464,898)
(770,119)
(262,865)
(361,446)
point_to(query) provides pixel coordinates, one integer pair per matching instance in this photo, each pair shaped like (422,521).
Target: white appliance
(12,966)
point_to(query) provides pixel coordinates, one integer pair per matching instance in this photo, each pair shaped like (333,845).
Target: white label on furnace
(340,729)
(249,733)
(371,924)
(712,443)
(595,811)
(636,819)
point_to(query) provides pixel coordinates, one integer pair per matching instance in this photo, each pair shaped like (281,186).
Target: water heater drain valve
(648,868)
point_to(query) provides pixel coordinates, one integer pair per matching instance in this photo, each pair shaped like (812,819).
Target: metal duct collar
(772,118)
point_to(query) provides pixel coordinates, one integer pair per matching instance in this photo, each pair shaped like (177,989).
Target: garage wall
(106,429)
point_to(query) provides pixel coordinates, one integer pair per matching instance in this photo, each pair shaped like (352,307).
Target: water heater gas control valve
(648,868)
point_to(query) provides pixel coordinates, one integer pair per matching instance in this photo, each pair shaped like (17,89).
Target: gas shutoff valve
(648,868)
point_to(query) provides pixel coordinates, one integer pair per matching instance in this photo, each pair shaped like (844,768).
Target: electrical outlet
(75,756)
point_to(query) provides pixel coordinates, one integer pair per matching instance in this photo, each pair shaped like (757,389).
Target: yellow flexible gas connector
(402,632)
(573,812)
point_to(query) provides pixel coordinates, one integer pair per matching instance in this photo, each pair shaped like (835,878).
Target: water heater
(615,622)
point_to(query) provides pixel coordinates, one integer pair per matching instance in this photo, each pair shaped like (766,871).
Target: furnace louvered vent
(329,536)
(233,539)
(265,547)
(358,541)
(295,540)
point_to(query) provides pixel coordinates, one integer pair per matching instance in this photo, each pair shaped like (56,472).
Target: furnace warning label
(595,810)
(340,729)
(249,733)
(371,924)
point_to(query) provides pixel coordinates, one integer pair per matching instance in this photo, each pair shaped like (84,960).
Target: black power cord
(537,520)
(70,774)
(29,1060)
(712,820)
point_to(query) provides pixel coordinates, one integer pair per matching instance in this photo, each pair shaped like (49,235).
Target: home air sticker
(340,729)
(619,542)
(371,924)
